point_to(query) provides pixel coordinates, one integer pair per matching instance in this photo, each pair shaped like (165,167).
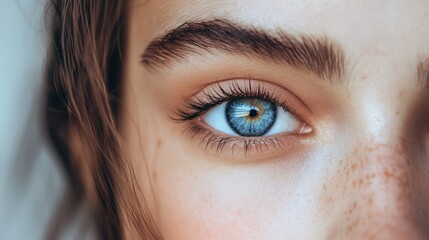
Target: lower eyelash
(213,141)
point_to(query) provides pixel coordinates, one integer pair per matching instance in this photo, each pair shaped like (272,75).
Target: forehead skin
(369,174)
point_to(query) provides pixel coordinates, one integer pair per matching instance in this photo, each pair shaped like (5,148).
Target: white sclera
(284,122)
(216,118)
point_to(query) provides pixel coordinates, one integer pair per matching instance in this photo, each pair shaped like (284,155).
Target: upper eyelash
(216,96)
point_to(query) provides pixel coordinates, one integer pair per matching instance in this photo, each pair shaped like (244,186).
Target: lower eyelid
(239,149)
(211,139)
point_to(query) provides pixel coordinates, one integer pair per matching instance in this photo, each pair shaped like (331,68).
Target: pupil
(253,113)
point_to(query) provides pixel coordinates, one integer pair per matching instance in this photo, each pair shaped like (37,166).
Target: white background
(31,181)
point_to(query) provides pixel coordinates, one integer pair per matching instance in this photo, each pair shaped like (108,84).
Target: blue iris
(250,117)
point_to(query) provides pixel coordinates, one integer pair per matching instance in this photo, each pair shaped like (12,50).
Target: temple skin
(362,173)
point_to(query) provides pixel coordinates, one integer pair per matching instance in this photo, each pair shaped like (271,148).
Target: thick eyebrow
(317,55)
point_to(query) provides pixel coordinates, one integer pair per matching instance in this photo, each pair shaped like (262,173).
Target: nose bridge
(381,157)
(378,178)
(375,177)
(381,160)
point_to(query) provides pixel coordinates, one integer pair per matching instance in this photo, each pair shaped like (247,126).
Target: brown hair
(83,73)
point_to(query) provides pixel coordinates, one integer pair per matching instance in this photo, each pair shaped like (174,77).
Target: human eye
(253,117)
(247,115)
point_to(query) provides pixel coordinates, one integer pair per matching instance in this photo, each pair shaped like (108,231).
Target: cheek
(194,196)
(197,200)
(204,199)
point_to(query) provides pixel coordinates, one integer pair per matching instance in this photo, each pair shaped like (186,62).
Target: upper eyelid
(196,106)
(200,106)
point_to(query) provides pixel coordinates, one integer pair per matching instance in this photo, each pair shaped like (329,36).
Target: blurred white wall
(31,181)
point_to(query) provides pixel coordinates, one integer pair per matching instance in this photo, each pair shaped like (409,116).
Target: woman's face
(279,119)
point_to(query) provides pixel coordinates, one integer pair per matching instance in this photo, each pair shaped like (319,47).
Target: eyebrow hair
(317,55)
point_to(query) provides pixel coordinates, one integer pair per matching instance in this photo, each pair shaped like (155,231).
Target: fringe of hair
(83,74)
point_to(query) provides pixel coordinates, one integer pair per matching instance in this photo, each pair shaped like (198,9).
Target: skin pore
(360,169)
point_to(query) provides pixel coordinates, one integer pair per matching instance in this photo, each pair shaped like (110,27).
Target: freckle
(370,200)
(353,225)
(387,174)
(159,143)
(364,77)
(354,206)
(360,182)
(353,167)
(397,113)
